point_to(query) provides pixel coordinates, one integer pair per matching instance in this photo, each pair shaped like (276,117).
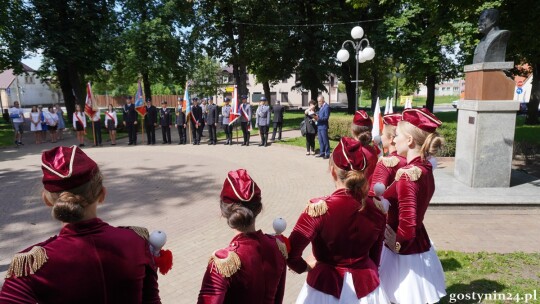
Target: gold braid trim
(226,266)
(141,231)
(413,173)
(316,209)
(390,161)
(283,248)
(27,263)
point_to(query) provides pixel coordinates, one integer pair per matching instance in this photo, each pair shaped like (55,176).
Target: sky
(33,62)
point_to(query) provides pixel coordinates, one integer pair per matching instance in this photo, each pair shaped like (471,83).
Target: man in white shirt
(16,115)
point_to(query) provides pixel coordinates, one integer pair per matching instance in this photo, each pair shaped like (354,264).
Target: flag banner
(139,100)
(89,106)
(376,131)
(187,101)
(387,106)
(236,106)
(391,110)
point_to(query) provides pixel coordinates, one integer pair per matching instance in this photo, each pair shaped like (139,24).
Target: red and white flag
(90,105)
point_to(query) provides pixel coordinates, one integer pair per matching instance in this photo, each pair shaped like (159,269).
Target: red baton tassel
(164,261)
(285,241)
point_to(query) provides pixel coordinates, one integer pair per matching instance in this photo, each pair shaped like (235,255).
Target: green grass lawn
(6,134)
(492,274)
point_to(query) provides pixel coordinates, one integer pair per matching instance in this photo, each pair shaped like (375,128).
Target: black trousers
(276,126)
(310,141)
(196,136)
(97,131)
(228,132)
(182,134)
(132,132)
(245,131)
(212,133)
(166,134)
(150,134)
(264,134)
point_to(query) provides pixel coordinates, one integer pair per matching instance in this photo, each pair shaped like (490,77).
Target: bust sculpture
(492,47)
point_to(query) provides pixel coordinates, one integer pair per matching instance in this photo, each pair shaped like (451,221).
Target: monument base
(485,141)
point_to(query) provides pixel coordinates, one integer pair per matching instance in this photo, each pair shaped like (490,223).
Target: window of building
(256,96)
(284,97)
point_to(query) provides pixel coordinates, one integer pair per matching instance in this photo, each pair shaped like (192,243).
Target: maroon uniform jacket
(344,239)
(257,275)
(409,198)
(386,169)
(88,262)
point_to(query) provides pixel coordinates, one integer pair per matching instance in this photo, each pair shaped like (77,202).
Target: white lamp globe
(361,58)
(343,55)
(368,53)
(357,32)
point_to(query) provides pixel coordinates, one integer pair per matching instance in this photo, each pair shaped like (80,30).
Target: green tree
(154,44)
(206,77)
(14,30)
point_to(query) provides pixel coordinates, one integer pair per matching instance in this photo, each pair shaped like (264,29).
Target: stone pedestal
(486,125)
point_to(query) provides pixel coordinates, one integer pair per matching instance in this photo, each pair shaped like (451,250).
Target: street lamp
(363,53)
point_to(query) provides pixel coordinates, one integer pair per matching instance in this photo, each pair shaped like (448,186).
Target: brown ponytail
(354,181)
(362,134)
(240,216)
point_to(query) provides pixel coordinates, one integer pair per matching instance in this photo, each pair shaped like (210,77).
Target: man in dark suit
(196,120)
(211,121)
(278,110)
(181,122)
(150,122)
(322,118)
(165,121)
(130,121)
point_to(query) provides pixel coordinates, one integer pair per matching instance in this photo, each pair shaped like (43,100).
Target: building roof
(7,77)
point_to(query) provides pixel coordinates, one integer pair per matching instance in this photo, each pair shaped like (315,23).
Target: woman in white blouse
(111,122)
(79,124)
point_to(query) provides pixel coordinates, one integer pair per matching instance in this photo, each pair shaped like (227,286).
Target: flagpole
(188,120)
(142,130)
(93,132)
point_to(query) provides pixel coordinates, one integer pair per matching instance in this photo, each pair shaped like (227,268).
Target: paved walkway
(176,189)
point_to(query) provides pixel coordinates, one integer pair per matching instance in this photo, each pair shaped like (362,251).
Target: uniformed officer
(245,119)
(165,120)
(211,121)
(89,261)
(278,111)
(181,121)
(196,119)
(130,121)
(225,114)
(262,120)
(150,122)
(252,268)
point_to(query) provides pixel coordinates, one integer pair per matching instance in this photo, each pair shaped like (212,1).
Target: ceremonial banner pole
(142,129)
(93,132)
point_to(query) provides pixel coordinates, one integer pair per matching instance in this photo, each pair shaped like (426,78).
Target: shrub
(339,126)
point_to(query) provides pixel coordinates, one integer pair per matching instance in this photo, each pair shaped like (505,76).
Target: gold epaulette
(413,173)
(141,231)
(283,248)
(316,209)
(226,266)
(27,263)
(389,161)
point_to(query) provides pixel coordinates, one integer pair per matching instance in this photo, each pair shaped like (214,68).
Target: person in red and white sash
(79,124)
(410,269)
(387,166)
(346,230)
(111,122)
(252,268)
(361,131)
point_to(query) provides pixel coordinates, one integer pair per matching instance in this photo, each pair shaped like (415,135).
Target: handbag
(303,127)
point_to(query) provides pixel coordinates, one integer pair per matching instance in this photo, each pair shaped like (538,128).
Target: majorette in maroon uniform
(89,261)
(346,230)
(252,268)
(410,269)
(361,130)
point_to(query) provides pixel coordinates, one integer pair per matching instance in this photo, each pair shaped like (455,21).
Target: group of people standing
(369,243)
(41,122)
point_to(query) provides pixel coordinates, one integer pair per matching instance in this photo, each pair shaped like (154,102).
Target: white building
(281,91)
(451,87)
(28,89)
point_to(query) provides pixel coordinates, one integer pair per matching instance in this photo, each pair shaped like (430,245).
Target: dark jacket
(180,118)
(196,111)
(130,115)
(151,116)
(212,116)
(165,117)
(278,113)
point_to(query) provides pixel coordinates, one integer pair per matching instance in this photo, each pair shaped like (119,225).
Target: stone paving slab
(176,189)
